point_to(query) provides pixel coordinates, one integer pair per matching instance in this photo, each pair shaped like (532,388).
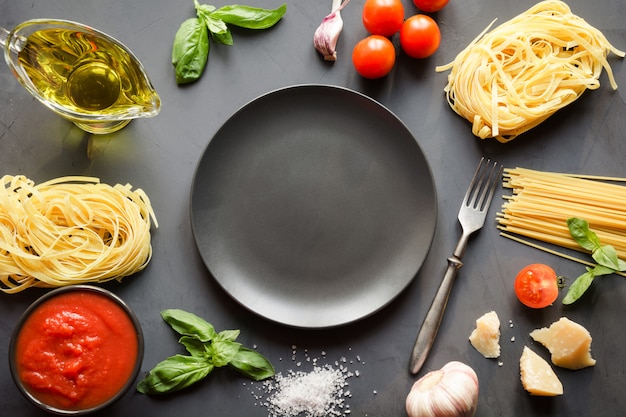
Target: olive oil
(85,73)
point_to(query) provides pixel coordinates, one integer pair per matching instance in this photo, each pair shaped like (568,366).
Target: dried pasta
(514,77)
(71,230)
(541,202)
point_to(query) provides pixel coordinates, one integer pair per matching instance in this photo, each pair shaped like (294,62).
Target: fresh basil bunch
(190,51)
(604,255)
(207,350)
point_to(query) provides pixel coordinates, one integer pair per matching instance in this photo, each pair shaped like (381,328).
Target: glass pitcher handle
(4,36)
(17,45)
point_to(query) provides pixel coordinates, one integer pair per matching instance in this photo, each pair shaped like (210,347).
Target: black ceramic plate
(313,206)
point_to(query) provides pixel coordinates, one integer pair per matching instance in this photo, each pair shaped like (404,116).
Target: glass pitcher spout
(80,73)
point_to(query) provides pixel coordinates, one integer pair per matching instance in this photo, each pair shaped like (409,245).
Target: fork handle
(430,326)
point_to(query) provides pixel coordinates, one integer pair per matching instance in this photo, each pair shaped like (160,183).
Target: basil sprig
(605,256)
(190,51)
(207,350)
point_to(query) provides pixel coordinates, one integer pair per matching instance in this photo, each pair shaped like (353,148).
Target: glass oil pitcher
(80,73)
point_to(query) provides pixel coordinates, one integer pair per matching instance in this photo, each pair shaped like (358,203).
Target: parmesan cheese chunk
(569,343)
(486,336)
(537,375)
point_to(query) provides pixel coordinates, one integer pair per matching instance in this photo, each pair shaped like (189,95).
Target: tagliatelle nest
(71,230)
(511,79)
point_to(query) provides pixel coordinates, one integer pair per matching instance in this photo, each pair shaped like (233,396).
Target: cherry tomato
(383,17)
(430,6)
(420,36)
(536,286)
(374,56)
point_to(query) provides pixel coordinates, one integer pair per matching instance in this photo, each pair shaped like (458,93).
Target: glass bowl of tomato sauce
(76,350)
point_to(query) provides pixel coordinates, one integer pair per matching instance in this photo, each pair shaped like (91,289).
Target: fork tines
(477,196)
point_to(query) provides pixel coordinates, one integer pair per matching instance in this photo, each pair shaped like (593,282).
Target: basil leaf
(599,270)
(223,351)
(252,364)
(174,373)
(188,324)
(215,26)
(250,17)
(225,38)
(606,256)
(580,232)
(231,335)
(194,346)
(208,350)
(579,286)
(204,9)
(190,50)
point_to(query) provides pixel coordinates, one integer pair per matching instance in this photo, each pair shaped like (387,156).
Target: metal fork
(472,218)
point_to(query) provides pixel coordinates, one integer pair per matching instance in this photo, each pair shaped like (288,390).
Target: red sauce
(76,350)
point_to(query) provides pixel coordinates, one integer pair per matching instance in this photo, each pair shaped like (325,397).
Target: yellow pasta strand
(541,203)
(71,230)
(511,79)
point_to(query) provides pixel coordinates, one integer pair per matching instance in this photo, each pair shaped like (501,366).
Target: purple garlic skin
(326,35)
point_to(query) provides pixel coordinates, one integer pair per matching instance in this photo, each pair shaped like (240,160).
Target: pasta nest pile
(71,230)
(511,79)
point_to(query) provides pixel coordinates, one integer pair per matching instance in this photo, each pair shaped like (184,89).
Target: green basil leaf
(606,256)
(250,17)
(188,324)
(252,364)
(190,50)
(204,9)
(223,351)
(194,346)
(215,26)
(225,38)
(231,335)
(580,232)
(599,270)
(579,286)
(174,373)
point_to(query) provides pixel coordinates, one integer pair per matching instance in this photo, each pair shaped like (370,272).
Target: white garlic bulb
(451,391)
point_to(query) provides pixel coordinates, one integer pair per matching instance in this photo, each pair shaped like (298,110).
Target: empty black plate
(313,206)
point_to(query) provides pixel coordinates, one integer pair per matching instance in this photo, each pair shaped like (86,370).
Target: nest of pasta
(512,78)
(71,230)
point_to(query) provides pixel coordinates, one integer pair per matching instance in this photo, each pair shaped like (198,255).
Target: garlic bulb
(326,35)
(452,391)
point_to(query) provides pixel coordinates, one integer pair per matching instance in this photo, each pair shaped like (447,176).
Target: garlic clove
(327,34)
(451,391)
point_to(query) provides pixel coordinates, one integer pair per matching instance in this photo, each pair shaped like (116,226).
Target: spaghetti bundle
(511,79)
(541,203)
(71,230)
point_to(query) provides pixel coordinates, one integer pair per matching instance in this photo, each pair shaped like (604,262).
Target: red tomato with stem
(383,17)
(537,286)
(420,36)
(374,56)
(430,6)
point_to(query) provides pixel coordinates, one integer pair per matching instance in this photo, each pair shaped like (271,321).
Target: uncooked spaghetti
(541,202)
(71,230)
(514,77)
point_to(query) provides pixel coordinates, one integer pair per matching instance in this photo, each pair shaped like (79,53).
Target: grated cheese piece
(486,336)
(569,344)
(537,375)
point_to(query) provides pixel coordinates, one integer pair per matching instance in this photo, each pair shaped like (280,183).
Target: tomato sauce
(76,350)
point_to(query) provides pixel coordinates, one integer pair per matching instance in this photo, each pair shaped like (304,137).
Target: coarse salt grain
(318,393)
(321,392)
